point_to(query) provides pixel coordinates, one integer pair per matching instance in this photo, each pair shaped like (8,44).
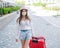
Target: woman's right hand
(16,40)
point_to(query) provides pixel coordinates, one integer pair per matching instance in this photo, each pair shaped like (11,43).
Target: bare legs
(25,43)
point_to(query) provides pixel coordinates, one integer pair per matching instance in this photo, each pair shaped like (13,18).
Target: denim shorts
(25,34)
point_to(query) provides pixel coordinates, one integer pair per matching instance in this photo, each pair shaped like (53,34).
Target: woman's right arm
(17,30)
(17,20)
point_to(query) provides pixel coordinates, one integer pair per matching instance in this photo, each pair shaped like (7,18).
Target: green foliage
(39,4)
(52,8)
(7,10)
(1,11)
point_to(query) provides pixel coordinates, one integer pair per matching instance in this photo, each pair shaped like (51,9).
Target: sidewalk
(9,34)
(5,19)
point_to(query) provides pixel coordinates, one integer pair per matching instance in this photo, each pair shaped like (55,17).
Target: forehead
(23,10)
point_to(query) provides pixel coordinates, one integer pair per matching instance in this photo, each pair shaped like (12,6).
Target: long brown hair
(21,16)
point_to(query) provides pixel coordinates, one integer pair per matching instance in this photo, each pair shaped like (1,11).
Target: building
(42,1)
(6,4)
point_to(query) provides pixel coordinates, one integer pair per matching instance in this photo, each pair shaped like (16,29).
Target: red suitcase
(37,42)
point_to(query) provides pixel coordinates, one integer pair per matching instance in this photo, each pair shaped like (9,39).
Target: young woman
(24,28)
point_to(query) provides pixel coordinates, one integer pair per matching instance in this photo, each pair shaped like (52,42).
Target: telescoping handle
(37,38)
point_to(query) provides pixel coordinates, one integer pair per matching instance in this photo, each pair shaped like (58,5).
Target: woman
(24,28)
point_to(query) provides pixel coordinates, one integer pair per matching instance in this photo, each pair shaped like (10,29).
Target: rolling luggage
(37,42)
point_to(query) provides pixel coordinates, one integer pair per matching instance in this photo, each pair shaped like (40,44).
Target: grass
(57,15)
(28,4)
(22,2)
(39,4)
(53,8)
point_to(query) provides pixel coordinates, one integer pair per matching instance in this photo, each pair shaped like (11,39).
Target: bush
(36,4)
(8,10)
(39,4)
(55,8)
(1,11)
(15,8)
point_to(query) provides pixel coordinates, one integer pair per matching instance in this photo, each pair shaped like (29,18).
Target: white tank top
(25,25)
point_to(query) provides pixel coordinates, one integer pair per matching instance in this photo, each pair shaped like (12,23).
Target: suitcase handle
(35,41)
(38,38)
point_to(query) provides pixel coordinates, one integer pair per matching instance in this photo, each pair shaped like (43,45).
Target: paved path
(9,34)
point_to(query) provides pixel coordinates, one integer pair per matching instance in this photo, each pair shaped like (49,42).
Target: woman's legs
(22,38)
(25,38)
(22,43)
(26,44)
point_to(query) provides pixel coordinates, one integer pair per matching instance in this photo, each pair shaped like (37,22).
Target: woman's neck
(23,18)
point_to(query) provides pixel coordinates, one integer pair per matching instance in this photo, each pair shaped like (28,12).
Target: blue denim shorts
(25,34)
